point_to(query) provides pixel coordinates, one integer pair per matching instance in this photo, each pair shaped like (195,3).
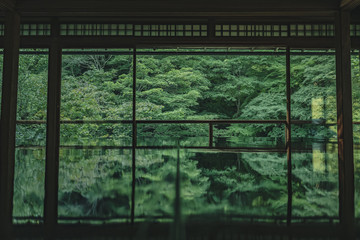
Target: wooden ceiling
(170,7)
(178,8)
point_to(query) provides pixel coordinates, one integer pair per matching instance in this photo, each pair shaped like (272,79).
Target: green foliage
(32,90)
(98,182)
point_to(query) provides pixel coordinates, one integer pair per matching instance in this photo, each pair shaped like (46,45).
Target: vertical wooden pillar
(344,123)
(52,134)
(288,137)
(8,121)
(211,29)
(178,231)
(134,139)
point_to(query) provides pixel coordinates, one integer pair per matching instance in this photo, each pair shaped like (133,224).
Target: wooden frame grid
(134,30)
(134,122)
(66,31)
(312,30)
(355,30)
(251,30)
(35,29)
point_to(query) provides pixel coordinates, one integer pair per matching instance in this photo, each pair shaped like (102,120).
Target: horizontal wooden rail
(206,148)
(211,121)
(315,122)
(229,216)
(187,53)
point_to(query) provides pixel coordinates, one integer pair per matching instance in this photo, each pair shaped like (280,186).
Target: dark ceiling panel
(179,7)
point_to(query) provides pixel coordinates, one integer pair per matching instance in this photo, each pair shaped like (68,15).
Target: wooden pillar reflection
(344,124)
(8,121)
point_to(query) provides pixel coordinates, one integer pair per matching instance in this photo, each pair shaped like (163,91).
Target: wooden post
(52,134)
(211,134)
(134,139)
(344,124)
(211,29)
(288,136)
(8,121)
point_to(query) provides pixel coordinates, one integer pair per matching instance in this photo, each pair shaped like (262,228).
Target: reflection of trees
(245,183)
(315,186)
(29,182)
(97,183)
(94,183)
(100,184)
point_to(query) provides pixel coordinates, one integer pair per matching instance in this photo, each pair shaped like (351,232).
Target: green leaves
(97,182)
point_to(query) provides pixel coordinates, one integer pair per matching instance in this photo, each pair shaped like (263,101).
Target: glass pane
(95,159)
(356,131)
(96,85)
(94,185)
(30,137)
(206,86)
(237,186)
(314,141)
(316,183)
(32,85)
(313,87)
(110,135)
(250,135)
(190,135)
(213,185)
(355,74)
(224,135)
(29,182)
(155,184)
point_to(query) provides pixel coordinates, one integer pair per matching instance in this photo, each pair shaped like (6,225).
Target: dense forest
(96,182)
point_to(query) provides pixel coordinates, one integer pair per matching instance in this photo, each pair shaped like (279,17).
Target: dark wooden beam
(355,43)
(129,42)
(349,5)
(175,4)
(197,230)
(355,15)
(52,135)
(8,121)
(173,8)
(323,13)
(297,18)
(344,124)
(288,136)
(114,42)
